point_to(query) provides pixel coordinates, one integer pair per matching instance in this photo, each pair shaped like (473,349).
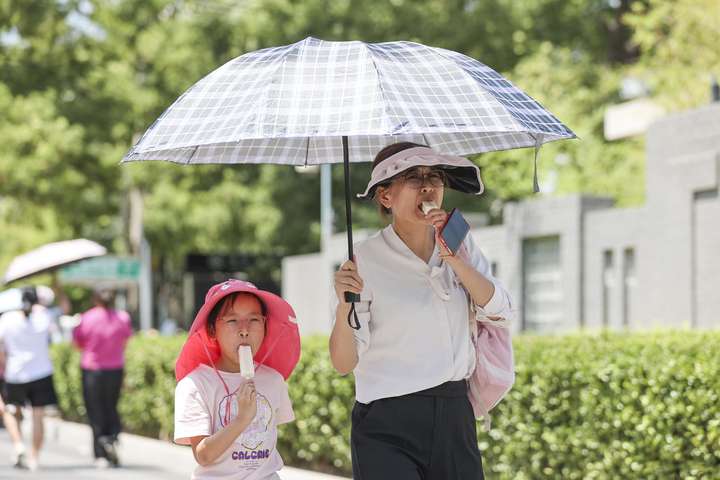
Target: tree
(80,79)
(678,43)
(578,89)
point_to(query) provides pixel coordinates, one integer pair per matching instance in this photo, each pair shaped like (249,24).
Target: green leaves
(80,79)
(678,44)
(620,405)
(609,406)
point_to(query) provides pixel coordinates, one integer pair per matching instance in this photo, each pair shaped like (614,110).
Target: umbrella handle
(350,297)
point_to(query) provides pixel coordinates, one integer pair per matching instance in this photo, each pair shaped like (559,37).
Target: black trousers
(101,391)
(427,435)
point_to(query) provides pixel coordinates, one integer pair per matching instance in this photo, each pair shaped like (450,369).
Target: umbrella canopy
(293,104)
(316,102)
(50,257)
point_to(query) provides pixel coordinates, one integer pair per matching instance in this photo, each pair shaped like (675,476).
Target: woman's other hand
(437,218)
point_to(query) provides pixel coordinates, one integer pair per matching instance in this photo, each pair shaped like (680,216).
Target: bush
(591,407)
(610,406)
(148,395)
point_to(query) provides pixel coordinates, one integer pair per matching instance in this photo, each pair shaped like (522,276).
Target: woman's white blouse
(415,318)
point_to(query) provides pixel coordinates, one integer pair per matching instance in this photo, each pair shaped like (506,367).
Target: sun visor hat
(462,174)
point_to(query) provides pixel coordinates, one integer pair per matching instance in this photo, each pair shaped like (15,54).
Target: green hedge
(583,407)
(148,395)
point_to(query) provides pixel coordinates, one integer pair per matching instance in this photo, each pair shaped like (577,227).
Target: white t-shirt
(27,345)
(414,317)
(200,403)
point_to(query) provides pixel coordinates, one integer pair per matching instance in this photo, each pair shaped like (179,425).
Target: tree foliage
(80,79)
(678,42)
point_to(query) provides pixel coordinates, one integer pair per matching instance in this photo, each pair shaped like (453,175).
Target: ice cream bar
(247,367)
(427,206)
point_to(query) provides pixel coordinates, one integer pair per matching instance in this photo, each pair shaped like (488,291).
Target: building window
(543,300)
(629,283)
(608,282)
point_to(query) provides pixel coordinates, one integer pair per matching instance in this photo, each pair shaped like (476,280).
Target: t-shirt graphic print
(202,406)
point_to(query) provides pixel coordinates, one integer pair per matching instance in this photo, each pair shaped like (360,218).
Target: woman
(412,353)
(102,335)
(25,335)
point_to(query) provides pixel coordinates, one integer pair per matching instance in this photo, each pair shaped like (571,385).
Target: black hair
(29,298)
(105,297)
(229,300)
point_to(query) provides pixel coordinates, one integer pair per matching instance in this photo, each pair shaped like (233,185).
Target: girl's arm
(207,449)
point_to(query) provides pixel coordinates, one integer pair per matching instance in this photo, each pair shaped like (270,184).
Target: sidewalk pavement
(66,454)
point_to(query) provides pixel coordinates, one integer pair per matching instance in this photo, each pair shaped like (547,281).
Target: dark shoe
(111,452)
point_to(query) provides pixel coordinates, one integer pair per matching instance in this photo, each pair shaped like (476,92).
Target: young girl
(231,420)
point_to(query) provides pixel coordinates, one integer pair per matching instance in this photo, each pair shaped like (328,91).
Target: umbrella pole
(349,296)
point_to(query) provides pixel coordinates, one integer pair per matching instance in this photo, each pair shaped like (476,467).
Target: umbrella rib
(307,150)
(192,155)
(380,85)
(536,185)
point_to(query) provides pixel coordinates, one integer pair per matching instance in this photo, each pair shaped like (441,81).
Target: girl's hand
(347,279)
(247,402)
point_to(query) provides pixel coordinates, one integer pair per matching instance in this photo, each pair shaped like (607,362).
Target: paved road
(66,455)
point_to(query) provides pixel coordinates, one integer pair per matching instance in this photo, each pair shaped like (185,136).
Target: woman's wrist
(454,261)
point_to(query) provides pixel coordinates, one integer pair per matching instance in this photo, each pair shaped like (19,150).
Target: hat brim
(463,175)
(280,348)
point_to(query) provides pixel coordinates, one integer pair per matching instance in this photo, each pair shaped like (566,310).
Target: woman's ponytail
(28,299)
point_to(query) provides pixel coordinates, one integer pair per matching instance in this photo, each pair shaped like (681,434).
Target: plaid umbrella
(316,102)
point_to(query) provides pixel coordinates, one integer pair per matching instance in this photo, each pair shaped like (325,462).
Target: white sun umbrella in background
(50,257)
(316,102)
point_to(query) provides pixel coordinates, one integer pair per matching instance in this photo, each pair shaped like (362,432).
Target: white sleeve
(362,311)
(499,304)
(192,416)
(284,408)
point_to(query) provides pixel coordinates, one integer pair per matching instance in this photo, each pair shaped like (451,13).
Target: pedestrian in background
(102,335)
(25,337)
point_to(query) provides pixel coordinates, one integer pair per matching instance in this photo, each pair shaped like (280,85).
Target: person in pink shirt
(102,335)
